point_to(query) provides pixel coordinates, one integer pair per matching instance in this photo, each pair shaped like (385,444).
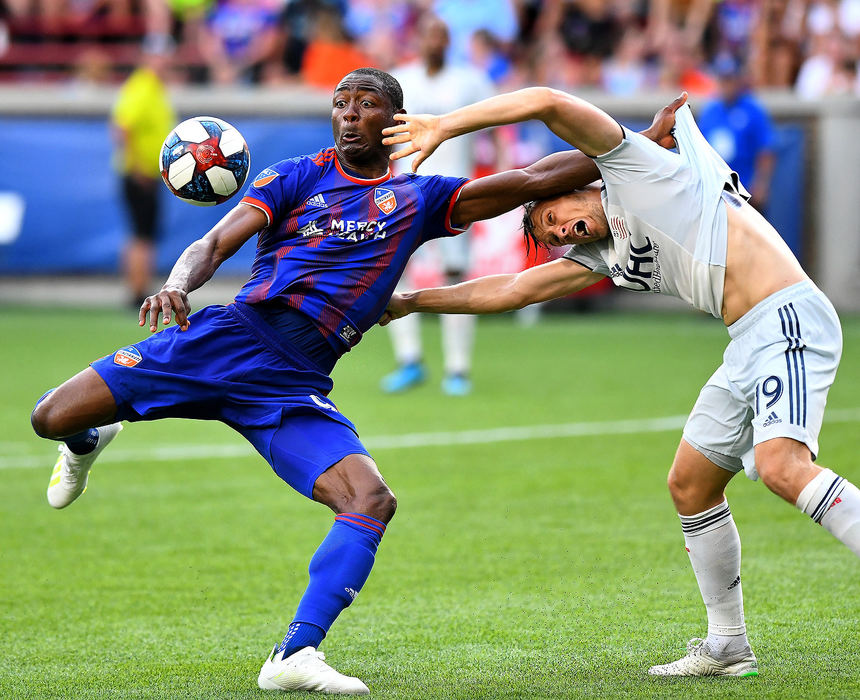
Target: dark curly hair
(388,82)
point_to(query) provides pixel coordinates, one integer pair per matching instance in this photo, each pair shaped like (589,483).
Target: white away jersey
(668,226)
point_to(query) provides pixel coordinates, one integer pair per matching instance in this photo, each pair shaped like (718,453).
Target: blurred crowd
(623,47)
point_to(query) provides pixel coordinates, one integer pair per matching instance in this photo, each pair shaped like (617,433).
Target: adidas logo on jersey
(316,201)
(772,419)
(351,592)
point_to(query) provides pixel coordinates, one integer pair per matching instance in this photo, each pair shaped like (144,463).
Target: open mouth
(580,228)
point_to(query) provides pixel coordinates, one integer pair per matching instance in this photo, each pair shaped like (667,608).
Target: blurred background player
(434,84)
(739,128)
(141,119)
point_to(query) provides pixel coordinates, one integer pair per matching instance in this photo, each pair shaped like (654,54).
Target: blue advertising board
(73,219)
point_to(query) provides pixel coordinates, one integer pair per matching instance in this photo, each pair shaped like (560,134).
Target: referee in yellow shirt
(141,119)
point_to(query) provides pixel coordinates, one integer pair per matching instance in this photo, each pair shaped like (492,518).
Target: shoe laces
(696,647)
(317,658)
(71,465)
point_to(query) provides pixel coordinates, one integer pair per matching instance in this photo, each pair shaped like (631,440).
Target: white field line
(406,440)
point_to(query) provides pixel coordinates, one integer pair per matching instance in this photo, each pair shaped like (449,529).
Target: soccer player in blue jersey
(335,230)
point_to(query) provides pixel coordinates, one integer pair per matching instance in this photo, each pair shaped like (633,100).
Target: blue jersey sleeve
(275,190)
(440,195)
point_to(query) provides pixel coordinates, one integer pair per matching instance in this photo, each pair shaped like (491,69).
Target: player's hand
(169,302)
(422,133)
(663,126)
(398,307)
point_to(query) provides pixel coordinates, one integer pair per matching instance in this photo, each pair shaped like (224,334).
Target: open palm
(422,133)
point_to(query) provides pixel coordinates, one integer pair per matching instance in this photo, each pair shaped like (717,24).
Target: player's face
(360,111)
(571,218)
(434,41)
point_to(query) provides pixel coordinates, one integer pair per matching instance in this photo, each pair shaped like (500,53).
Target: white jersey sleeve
(594,256)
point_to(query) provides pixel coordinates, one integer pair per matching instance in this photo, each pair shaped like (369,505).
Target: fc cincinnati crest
(385,200)
(127,357)
(265,177)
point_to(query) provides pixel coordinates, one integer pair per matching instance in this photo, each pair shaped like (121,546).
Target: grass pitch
(541,567)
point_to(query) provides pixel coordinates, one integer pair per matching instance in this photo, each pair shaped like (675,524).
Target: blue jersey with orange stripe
(336,245)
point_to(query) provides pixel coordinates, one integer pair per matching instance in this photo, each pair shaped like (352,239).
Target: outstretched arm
(198,263)
(578,122)
(554,175)
(496,293)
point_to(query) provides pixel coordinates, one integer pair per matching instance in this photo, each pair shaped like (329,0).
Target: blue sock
(84,442)
(301,635)
(338,570)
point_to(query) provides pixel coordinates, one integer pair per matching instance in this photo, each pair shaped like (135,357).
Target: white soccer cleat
(307,670)
(69,478)
(698,662)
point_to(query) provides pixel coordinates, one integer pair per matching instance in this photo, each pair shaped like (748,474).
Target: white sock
(406,337)
(715,552)
(458,335)
(834,503)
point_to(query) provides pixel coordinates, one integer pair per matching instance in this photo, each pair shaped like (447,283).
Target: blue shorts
(230,366)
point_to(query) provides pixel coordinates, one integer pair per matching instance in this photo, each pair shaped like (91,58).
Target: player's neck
(434,67)
(371,169)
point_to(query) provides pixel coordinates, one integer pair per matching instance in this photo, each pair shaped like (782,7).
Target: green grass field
(541,567)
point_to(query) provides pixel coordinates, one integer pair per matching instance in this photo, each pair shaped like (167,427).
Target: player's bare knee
(681,486)
(47,419)
(379,503)
(781,474)
(785,466)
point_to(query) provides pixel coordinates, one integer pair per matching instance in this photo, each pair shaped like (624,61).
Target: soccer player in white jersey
(677,223)
(433,82)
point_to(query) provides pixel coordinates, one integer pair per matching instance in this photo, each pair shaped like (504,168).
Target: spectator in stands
(381,28)
(295,21)
(682,66)
(626,72)
(330,53)
(465,17)
(240,40)
(591,31)
(670,21)
(487,54)
(141,119)
(818,75)
(181,19)
(777,67)
(735,21)
(739,128)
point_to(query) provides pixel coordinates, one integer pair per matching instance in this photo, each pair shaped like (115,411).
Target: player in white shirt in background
(434,84)
(678,224)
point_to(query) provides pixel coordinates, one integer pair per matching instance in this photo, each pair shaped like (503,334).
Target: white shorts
(774,379)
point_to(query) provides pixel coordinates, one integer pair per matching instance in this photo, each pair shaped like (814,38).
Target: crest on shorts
(385,200)
(127,357)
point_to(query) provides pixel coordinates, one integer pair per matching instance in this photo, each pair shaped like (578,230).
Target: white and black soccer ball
(204,161)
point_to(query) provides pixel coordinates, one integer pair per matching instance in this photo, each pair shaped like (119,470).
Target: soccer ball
(204,161)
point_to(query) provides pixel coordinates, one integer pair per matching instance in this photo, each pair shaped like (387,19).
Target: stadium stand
(571,44)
